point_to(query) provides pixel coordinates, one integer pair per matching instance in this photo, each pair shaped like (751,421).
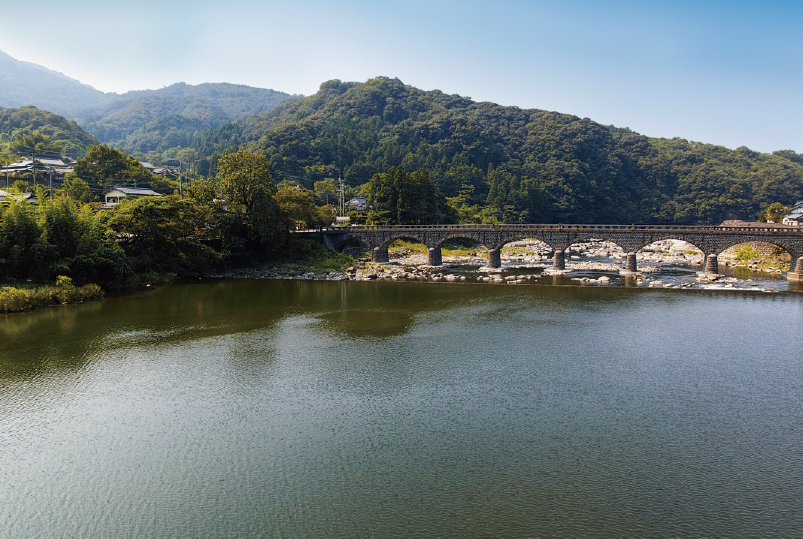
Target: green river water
(259,408)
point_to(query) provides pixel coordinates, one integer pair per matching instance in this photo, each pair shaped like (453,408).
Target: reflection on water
(307,409)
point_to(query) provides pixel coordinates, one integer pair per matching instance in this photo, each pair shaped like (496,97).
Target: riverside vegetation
(242,218)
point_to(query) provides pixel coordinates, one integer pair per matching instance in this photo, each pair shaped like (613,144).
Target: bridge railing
(572,228)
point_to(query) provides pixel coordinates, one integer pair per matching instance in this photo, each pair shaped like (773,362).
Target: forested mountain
(24,83)
(156,120)
(494,162)
(520,165)
(73,140)
(142,121)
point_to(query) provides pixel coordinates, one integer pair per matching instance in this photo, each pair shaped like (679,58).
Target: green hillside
(515,165)
(28,119)
(139,121)
(155,120)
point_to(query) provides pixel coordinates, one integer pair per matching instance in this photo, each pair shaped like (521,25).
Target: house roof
(41,160)
(53,162)
(135,191)
(23,196)
(754,224)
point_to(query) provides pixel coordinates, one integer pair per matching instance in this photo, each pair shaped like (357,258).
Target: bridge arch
(460,236)
(785,249)
(414,238)
(495,252)
(736,243)
(693,241)
(350,241)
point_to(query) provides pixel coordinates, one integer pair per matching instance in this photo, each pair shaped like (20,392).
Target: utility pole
(51,185)
(180,190)
(342,196)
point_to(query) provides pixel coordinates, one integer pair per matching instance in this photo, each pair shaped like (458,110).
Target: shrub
(21,299)
(745,253)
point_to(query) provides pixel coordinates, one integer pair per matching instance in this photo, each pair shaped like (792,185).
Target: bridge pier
(380,255)
(434,256)
(631,265)
(711,265)
(494,258)
(559,261)
(796,275)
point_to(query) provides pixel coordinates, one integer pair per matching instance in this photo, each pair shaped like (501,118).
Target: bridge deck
(572,228)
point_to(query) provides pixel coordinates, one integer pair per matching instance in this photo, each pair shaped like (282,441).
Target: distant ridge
(142,120)
(155,120)
(24,83)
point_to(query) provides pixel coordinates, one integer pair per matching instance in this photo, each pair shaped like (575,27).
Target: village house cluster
(56,169)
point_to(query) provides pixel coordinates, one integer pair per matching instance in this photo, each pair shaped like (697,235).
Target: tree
(35,144)
(252,212)
(6,155)
(466,213)
(327,191)
(19,233)
(106,166)
(21,186)
(774,213)
(299,206)
(159,234)
(76,188)
(515,200)
(397,197)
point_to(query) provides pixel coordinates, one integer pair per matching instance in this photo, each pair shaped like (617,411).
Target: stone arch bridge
(711,240)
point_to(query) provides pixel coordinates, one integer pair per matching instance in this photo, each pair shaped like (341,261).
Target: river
(285,408)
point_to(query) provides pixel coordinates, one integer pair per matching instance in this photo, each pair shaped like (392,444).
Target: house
(113,196)
(44,168)
(795,216)
(25,167)
(147,166)
(357,204)
(5,197)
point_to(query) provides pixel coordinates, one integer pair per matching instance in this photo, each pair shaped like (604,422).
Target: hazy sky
(722,72)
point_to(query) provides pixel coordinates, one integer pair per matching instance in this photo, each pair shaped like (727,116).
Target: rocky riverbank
(529,261)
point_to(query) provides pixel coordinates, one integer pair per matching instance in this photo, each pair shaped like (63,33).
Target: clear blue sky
(727,73)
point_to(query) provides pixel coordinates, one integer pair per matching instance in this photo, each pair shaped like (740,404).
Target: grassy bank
(317,258)
(28,298)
